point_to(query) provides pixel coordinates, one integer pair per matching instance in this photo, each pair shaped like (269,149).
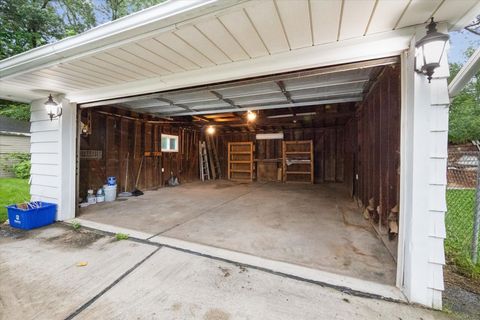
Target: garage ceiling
(338,84)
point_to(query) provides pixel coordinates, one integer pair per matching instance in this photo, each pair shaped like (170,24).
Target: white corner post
(424,151)
(53,147)
(68,149)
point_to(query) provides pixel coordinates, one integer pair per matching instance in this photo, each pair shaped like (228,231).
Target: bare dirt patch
(8,232)
(75,238)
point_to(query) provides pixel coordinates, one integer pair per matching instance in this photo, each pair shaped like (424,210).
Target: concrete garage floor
(315,226)
(41,279)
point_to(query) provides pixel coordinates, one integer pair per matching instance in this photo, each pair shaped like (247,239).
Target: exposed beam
(275,106)
(220,97)
(287,95)
(299,119)
(201,118)
(281,85)
(173,104)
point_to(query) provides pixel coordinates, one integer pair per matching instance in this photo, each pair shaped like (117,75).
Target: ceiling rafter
(220,97)
(173,104)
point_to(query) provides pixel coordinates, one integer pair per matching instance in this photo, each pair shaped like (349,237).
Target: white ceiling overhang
(181,44)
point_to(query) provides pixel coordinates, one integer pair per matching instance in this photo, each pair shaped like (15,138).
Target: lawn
(459,224)
(12,190)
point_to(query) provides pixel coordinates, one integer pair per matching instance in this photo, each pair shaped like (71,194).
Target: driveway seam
(110,286)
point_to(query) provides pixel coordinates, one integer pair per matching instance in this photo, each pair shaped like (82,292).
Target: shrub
(18,164)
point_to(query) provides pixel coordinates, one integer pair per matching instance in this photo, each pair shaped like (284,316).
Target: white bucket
(110,193)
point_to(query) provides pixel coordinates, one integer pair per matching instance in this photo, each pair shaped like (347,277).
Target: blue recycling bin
(37,214)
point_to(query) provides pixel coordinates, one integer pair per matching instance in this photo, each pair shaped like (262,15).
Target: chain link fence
(462,245)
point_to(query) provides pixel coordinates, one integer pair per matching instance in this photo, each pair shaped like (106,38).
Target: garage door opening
(312,181)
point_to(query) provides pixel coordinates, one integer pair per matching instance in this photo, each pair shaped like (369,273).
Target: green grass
(459,224)
(12,190)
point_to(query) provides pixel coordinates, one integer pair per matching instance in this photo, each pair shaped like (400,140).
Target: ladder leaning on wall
(203,157)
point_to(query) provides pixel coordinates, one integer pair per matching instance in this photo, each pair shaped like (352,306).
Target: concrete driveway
(59,273)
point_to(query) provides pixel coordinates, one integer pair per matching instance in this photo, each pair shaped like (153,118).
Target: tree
(464,123)
(25,25)
(114,9)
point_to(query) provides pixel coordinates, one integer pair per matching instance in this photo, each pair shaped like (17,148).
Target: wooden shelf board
(240,171)
(298,172)
(239,161)
(297,152)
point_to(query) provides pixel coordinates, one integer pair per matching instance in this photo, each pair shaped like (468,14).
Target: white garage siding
(52,144)
(423,180)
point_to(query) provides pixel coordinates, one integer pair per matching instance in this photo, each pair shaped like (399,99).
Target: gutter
(465,74)
(163,16)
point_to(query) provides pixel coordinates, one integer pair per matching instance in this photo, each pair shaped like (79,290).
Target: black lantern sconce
(54,110)
(429,50)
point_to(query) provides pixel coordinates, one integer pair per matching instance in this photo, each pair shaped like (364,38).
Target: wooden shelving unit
(298,161)
(240,161)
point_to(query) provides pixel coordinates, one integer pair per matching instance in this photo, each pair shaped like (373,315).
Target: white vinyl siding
(53,179)
(423,180)
(45,154)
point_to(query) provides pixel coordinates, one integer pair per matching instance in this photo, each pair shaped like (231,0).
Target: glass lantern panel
(433,51)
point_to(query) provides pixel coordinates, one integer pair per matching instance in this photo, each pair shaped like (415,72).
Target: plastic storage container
(110,193)
(33,217)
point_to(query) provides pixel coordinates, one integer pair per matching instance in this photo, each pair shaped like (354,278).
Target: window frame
(169,137)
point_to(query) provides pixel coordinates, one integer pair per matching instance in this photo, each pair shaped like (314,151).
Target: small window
(169,143)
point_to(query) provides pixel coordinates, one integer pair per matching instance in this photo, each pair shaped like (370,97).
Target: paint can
(91,199)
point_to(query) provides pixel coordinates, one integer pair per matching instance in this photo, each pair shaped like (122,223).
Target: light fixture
(210,129)
(53,109)
(251,116)
(429,50)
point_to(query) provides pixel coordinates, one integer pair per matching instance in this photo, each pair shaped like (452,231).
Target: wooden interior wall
(329,149)
(378,163)
(124,141)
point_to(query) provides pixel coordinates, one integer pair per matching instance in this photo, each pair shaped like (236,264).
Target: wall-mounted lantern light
(251,116)
(430,50)
(53,109)
(210,129)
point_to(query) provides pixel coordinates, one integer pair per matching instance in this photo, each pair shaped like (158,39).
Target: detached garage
(308,138)
(287,175)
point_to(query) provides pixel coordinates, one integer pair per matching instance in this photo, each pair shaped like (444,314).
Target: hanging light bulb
(210,129)
(251,116)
